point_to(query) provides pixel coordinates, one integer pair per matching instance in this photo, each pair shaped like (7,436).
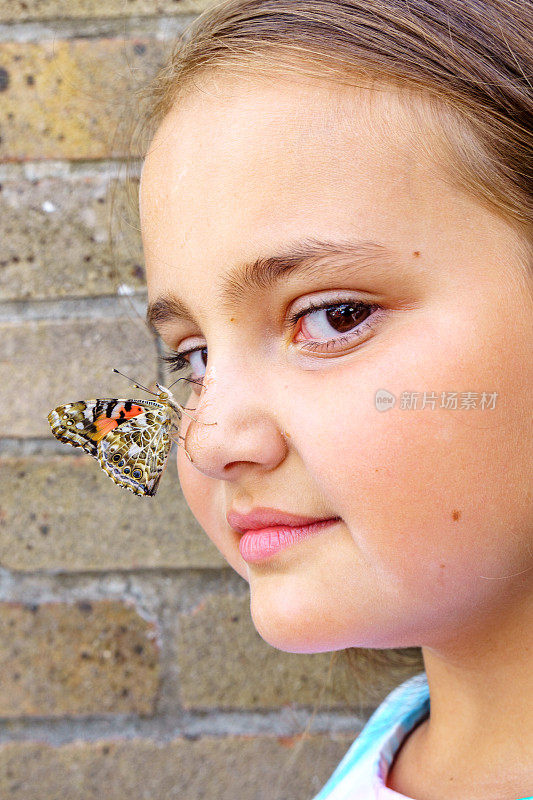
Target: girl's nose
(245,434)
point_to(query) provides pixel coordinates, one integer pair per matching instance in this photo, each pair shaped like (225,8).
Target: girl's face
(433,502)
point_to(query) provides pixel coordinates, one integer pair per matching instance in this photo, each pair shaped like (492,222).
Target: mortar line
(217,723)
(67,169)
(113,306)
(104,574)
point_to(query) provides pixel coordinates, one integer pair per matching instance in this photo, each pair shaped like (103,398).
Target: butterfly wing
(129,438)
(74,423)
(135,454)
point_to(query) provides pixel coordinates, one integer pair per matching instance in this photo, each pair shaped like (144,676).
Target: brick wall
(129,659)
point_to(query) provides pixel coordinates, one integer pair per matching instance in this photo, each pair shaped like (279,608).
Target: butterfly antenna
(183,378)
(137,385)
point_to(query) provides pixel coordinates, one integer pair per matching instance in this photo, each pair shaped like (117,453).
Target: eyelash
(328,304)
(178,361)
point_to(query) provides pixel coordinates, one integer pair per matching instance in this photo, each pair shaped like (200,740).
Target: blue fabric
(362,773)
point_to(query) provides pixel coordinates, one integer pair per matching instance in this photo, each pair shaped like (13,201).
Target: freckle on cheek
(456,515)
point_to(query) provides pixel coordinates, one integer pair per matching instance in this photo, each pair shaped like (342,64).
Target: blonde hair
(463,69)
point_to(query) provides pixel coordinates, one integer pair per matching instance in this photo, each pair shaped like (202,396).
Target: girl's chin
(288,642)
(289,629)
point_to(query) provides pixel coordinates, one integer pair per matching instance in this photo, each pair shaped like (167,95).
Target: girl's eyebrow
(303,257)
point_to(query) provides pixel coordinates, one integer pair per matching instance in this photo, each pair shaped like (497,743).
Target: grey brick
(65,514)
(44,364)
(247,768)
(70,237)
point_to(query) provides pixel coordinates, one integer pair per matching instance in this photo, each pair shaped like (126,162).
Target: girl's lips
(259,544)
(261,518)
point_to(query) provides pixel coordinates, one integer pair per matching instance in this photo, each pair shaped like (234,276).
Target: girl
(336,209)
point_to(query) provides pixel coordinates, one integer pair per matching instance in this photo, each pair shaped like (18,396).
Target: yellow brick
(73,99)
(91,657)
(19,10)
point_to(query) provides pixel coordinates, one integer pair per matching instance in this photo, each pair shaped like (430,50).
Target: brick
(74,99)
(94,657)
(224,663)
(56,237)
(21,10)
(65,513)
(46,363)
(251,768)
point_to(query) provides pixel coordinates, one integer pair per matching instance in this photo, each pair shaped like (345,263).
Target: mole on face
(455,515)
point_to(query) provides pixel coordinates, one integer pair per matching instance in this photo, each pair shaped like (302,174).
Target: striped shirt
(362,773)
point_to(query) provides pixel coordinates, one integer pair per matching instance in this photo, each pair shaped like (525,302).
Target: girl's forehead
(274,129)
(267,160)
(233,173)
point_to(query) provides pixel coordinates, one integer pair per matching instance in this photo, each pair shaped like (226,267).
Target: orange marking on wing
(119,412)
(103,425)
(134,412)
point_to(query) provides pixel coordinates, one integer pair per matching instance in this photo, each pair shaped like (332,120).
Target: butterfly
(130,439)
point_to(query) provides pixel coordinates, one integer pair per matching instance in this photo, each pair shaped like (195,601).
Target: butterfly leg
(200,422)
(183,409)
(186,451)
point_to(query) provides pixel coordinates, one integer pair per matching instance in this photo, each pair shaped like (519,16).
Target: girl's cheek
(425,487)
(194,484)
(203,497)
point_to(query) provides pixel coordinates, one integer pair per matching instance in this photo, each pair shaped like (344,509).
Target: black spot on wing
(97,410)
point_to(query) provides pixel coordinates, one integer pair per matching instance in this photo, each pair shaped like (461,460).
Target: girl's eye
(195,359)
(348,317)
